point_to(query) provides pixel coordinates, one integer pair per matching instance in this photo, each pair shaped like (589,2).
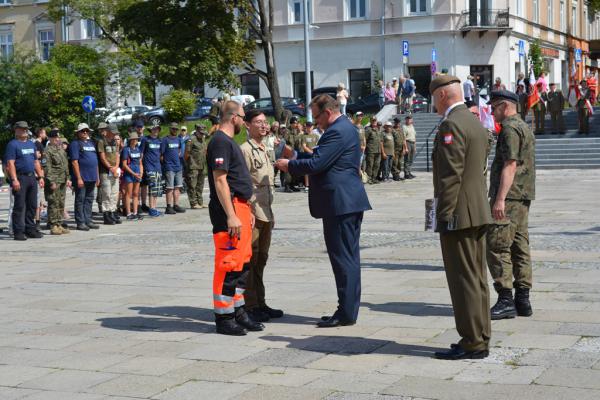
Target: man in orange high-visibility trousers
(230,214)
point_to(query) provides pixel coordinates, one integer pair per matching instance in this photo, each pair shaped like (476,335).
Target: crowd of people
(124,176)
(400,92)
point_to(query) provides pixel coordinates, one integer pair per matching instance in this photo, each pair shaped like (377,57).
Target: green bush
(178,104)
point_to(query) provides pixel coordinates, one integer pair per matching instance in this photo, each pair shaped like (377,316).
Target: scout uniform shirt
(151,153)
(171,150)
(410,133)
(56,167)
(399,139)
(110,152)
(373,138)
(84,152)
(263,176)
(515,142)
(197,151)
(309,140)
(23,153)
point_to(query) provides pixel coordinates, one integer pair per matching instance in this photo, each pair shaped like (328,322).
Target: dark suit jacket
(336,187)
(556,101)
(459,160)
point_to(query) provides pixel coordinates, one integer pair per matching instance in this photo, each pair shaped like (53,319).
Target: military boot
(56,230)
(64,230)
(108,218)
(242,318)
(226,325)
(505,306)
(522,303)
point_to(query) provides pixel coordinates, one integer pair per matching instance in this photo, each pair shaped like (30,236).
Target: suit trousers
(84,200)
(25,203)
(558,123)
(463,252)
(342,235)
(261,242)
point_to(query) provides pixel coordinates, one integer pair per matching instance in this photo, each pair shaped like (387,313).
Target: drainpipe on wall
(383,40)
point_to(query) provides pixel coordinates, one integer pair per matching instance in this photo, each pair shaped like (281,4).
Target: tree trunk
(271,81)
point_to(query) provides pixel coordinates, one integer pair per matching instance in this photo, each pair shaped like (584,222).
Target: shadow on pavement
(416,309)
(403,267)
(348,345)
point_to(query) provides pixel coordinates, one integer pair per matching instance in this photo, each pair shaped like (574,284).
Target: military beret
(442,80)
(503,95)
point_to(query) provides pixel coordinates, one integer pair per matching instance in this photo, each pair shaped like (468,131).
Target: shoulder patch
(448,138)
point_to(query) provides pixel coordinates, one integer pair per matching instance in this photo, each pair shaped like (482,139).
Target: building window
(46,38)
(250,85)
(586,24)
(574,19)
(5,2)
(360,83)
(297,11)
(520,8)
(417,6)
(299,82)
(563,17)
(551,13)
(357,9)
(536,11)
(6,44)
(89,29)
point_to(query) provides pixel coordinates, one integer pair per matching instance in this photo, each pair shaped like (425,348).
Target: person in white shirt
(469,89)
(342,97)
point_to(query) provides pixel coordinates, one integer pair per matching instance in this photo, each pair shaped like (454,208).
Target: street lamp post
(307,80)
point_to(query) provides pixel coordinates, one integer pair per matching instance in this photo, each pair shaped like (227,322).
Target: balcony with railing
(482,21)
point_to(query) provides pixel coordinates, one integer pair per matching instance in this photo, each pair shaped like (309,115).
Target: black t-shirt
(224,154)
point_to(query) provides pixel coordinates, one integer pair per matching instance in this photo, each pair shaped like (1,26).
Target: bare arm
(506,180)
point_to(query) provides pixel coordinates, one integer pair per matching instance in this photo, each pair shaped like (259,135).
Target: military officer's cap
(22,125)
(102,125)
(497,95)
(441,81)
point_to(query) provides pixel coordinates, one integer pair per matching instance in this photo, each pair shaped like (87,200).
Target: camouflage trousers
(373,162)
(195,185)
(397,163)
(508,253)
(56,202)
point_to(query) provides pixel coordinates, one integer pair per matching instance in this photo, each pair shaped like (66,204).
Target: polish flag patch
(219,161)
(448,138)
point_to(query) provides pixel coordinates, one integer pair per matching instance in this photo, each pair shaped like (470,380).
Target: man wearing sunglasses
(338,196)
(261,170)
(512,188)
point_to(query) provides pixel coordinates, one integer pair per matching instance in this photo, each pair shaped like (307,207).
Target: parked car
(124,115)
(155,116)
(296,106)
(243,99)
(202,110)
(330,90)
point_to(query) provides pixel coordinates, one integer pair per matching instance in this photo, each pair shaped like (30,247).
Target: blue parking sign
(521,47)
(88,104)
(578,55)
(405,48)
(433,55)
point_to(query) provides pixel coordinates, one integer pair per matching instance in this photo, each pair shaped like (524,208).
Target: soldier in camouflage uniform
(361,137)
(373,150)
(512,188)
(195,161)
(56,172)
(400,150)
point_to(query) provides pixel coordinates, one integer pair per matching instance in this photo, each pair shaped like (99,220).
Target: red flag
(533,98)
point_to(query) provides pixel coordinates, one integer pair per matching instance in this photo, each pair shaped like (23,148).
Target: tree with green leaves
(535,58)
(594,6)
(178,104)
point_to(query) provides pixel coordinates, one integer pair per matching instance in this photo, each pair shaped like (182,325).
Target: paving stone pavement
(125,312)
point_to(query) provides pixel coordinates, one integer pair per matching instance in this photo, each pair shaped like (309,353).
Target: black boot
(226,325)
(242,318)
(522,303)
(505,307)
(115,217)
(108,218)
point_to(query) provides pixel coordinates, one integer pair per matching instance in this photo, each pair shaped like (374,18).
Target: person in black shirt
(231,216)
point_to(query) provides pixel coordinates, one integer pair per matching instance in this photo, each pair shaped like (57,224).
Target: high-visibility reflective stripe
(227,310)
(239,303)
(220,297)
(239,291)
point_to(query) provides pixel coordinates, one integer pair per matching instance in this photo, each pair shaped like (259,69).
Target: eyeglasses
(239,115)
(260,122)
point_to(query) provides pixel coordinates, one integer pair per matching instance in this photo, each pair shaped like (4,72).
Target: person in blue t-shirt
(133,170)
(84,162)
(22,166)
(139,129)
(152,169)
(171,151)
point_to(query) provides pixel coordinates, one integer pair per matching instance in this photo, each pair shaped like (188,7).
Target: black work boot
(242,318)
(522,303)
(115,217)
(505,306)
(226,325)
(108,218)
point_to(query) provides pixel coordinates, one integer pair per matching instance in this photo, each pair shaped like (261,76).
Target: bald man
(462,215)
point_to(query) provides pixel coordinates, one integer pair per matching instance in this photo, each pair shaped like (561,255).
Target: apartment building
(352,40)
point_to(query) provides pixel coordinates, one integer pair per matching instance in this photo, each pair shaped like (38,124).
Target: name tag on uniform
(173,145)
(135,155)
(27,151)
(154,146)
(110,149)
(89,148)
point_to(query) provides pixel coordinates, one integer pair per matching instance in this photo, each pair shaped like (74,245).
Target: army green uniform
(309,141)
(508,240)
(539,115)
(556,104)
(195,168)
(583,113)
(56,170)
(399,146)
(462,216)
(373,152)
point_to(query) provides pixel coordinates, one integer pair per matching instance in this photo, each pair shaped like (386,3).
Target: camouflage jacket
(56,167)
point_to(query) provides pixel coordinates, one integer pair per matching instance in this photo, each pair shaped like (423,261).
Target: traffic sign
(578,55)
(433,68)
(521,47)
(88,104)
(433,55)
(405,48)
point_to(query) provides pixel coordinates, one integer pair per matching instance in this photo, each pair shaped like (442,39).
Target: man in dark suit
(338,196)
(462,215)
